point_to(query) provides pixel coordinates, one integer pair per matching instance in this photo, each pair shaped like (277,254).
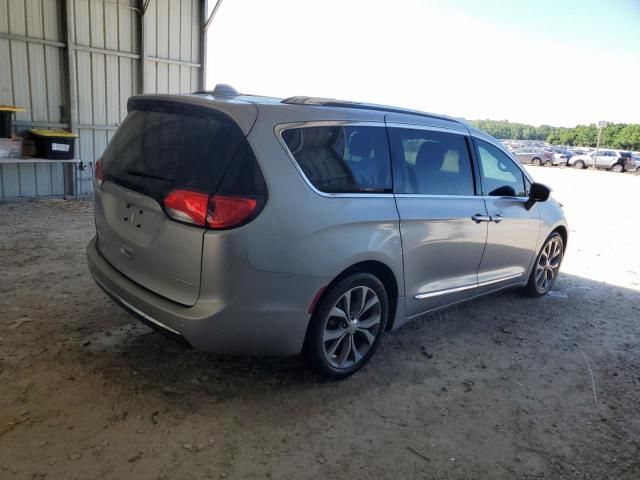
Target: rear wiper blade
(147,175)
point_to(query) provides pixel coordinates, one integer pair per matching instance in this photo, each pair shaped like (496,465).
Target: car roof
(361,109)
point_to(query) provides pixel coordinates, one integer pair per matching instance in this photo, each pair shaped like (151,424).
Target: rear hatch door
(161,146)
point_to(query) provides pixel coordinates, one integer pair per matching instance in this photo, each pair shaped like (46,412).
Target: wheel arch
(380,270)
(562,230)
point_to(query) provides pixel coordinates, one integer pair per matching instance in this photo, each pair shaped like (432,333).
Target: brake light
(227,211)
(98,174)
(215,211)
(187,206)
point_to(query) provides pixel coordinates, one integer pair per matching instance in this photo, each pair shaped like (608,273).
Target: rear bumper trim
(135,310)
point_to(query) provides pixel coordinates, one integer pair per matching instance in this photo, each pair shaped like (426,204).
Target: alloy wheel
(351,327)
(548,264)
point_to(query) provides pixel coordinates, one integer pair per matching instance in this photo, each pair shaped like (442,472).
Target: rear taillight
(213,211)
(226,211)
(187,206)
(99,174)
(547,155)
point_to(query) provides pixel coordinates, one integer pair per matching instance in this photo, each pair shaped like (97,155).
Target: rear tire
(546,267)
(536,162)
(346,327)
(579,164)
(618,168)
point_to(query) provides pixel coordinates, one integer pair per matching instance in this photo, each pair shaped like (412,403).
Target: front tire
(579,164)
(547,266)
(347,326)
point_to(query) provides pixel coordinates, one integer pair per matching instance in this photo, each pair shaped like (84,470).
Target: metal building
(72,64)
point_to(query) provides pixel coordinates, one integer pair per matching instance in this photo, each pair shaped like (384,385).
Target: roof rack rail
(309,100)
(220,90)
(332,102)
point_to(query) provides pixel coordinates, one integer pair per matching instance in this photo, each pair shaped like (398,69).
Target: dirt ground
(498,388)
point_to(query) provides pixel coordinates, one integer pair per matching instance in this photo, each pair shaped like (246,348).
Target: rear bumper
(267,315)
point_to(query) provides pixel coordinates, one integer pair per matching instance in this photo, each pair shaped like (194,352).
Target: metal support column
(143,45)
(72,115)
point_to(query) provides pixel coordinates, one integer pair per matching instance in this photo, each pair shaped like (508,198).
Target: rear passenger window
(500,175)
(342,159)
(430,163)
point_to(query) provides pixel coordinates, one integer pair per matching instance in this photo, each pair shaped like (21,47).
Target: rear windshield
(342,159)
(162,146)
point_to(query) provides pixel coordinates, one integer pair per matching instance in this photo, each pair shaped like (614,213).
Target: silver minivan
(252,225)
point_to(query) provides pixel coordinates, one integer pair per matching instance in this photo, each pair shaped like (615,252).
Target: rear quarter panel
(303,232)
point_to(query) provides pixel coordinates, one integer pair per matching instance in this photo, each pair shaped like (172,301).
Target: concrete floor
(497,388)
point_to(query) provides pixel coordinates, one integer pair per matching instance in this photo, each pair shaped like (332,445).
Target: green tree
(616,135)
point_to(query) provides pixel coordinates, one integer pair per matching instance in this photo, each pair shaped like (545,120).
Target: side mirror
(537,193)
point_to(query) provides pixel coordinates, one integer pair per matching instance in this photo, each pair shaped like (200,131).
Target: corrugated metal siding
(105,78)
(173,46)
(32,76)
(107,60)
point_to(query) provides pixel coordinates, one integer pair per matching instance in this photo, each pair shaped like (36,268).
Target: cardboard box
(13,145)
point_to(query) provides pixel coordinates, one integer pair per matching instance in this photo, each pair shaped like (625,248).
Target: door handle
(497,218)
(481,218)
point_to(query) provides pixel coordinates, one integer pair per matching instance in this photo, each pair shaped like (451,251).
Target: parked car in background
(636,158)
(614,160)
(534,156)
(578,151)
(561,156)
(251,225)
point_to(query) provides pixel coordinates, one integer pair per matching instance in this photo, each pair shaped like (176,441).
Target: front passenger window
(500,175)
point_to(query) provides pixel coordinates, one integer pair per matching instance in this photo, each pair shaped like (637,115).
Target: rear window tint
(342,159)
(159,147)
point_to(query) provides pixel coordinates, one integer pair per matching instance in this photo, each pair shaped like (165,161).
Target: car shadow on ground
(578,311)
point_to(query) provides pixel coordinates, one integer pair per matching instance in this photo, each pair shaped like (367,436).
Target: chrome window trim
(281,127)
(435,196)
(422,296)
(416,126)
(493,197)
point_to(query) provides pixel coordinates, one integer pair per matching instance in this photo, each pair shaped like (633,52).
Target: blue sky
(605,25)
(559,62)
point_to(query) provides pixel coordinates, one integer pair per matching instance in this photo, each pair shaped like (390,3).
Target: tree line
(615,135)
